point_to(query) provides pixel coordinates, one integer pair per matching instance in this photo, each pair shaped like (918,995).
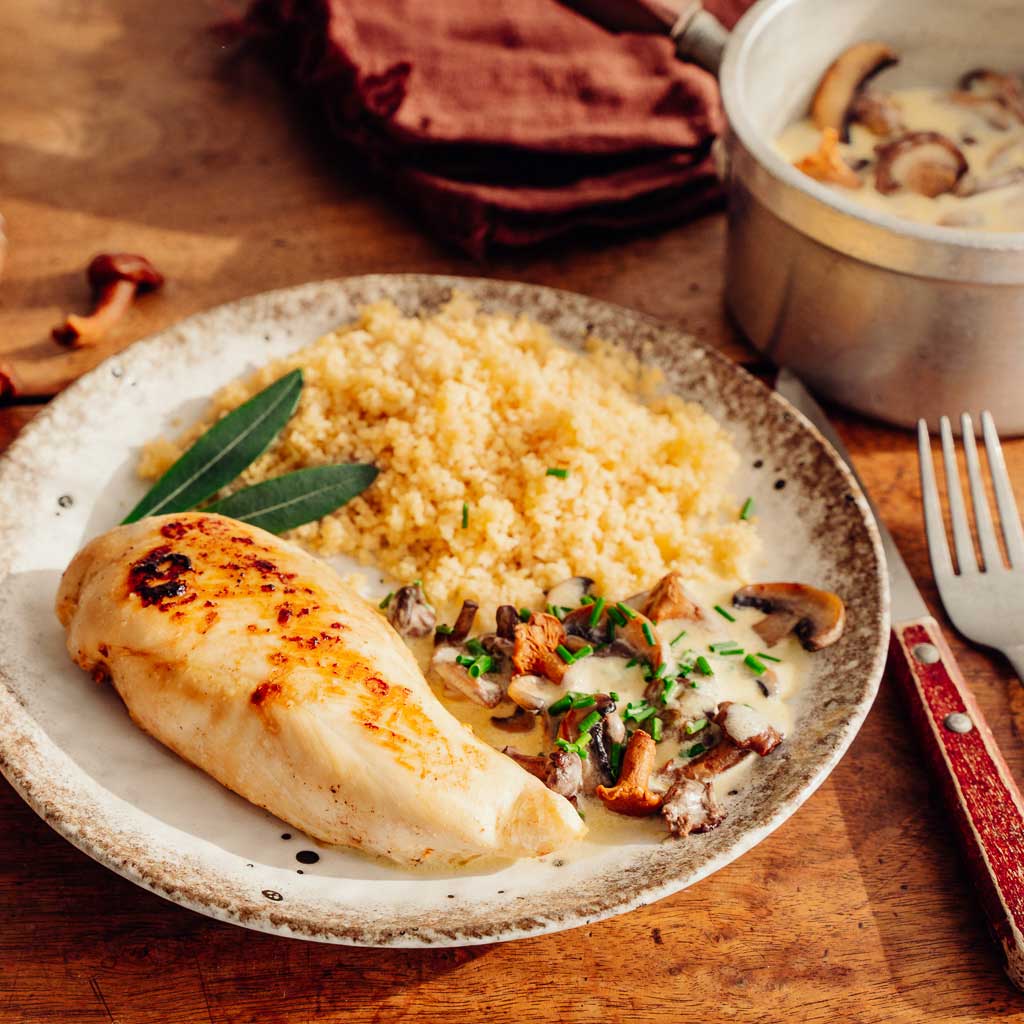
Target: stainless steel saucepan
(896,319)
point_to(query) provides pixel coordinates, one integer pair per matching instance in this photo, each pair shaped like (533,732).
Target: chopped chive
(672,643)
(578,749)
(725,615)
(464,660)
(387,600)
(587,599)
(755,665)
(595,615)
(668,690)
(695,685)
(465,514)
(583,700)
(585,651)
(648,634)
(767,657)
(632,662)
(561,705)
(616,616)
(624,609)
(480,665)
(640,713)
(656,729)
(560,473)
(589,722)
(613,695)
(524,614)
(725,647)
(748,509)
(564,653)
(615,759)
(444,630)
(475,647)
(661,671)
(704,666)
(696,726)
(697,748)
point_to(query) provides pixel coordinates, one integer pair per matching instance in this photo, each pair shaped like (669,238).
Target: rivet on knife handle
(981,796)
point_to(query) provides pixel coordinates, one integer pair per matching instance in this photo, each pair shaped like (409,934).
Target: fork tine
(1008,514)
(934,528)
(982,517)
(962,543)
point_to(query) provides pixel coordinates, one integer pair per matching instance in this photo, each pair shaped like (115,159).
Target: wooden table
(124,127)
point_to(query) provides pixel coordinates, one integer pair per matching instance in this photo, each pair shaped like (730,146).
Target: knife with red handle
(981,797)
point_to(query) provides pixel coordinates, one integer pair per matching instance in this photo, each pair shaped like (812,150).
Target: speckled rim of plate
(827,531)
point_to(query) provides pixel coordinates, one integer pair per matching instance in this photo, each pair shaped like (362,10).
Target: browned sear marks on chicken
(156,577)
(264,692)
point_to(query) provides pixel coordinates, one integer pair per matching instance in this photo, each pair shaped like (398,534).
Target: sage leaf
(224,451)
(292,499)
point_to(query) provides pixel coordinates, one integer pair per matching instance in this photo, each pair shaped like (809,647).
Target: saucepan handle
(700,37)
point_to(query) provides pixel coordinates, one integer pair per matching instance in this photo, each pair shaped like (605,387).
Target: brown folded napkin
(503,122)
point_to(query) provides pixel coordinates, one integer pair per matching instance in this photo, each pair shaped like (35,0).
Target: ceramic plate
(68,748)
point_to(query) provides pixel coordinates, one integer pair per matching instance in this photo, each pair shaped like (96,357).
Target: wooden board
(124,127)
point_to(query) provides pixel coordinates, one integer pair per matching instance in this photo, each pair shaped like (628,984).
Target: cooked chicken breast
(251,659)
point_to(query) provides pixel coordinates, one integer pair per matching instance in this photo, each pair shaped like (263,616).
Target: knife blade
(982,799)
(907,602)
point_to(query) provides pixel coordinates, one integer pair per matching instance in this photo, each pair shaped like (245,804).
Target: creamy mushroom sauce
(732,681)
(989,150)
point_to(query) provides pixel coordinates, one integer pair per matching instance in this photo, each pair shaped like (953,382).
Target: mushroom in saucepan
(928,163)
(463,624)
(668,600)
(878,112)
(409,612)
(1005,89)
(690,807)
(631,794)
(536,647)
(826,163)
(843,81)
(480,689)
(569,593)
(817,617)
(747,728)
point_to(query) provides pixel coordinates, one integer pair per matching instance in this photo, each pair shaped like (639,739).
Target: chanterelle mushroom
(845,77)
(826,163)
(630,795)
(817,617)
(668,600)
(114,279)
(536,647)
(928,163)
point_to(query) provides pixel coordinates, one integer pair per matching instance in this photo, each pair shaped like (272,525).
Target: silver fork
(986,602)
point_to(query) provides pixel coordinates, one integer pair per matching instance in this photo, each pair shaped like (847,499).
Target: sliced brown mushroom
(747,728)
(845,77)
(536,764)
(409,612)
(720,758)
(877,112)
(1005,89)
(668,600)
(817,617)
(631,795)
(826,163)
(462,627)
(506,618)
(928,163)
(565,774)
(115,279)
(536,647)
(642,639)
(533,693)
(479,689)
(690,807)
(518,721)
(569,593)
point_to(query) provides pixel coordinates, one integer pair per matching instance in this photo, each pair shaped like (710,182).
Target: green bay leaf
(304,496)
(224,451)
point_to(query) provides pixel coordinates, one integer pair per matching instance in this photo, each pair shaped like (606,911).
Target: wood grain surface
(124,126)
